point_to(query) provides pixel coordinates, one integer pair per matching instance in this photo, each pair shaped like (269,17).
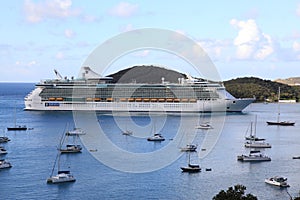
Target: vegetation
(261,89)
(236,193)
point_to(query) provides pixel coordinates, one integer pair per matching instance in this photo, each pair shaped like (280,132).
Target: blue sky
(243,38)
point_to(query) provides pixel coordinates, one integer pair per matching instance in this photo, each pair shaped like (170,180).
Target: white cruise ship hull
(199,106)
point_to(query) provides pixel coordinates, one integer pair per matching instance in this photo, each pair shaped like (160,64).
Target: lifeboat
(109,99)
(97,99)
(193,100)
(123,99)
(130,99)
(89,99)
(184,100)
(146,100)
(176,100)
(169,100)
(153,100)
(59,99)
(138,99)
(161,100)
(51,99)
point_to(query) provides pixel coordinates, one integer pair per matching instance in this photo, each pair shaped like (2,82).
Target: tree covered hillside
(261,89)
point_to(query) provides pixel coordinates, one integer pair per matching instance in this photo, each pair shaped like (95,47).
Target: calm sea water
(32,154)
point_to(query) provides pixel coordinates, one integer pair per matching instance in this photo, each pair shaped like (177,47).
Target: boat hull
(16,128)
(190,169)
(281,123)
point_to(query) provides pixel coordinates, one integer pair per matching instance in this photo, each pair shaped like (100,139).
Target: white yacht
(2,150)
(91,91)
(156,138)
(4,164)
(277,181)
(189,147)
(204,126)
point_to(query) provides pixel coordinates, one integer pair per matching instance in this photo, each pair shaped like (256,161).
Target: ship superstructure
(93,92)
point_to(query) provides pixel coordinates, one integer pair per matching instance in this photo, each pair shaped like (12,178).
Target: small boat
(71,148)
(277,181)
(253,141)
(4,164)
(254,156)
(2,150)
(191,168)
(4,139)
(281,123)
(278,122)
(296,157)
(156,138)
(252,135)
(75,132)
(204,126)
(17,127)
(189,147)
(127,132)
(257,144)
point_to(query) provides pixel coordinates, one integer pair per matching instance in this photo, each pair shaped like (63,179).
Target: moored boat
(277,181)
(156,138)
(254,156)
(4,164)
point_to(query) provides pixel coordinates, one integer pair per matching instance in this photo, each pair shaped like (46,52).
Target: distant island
(246,87)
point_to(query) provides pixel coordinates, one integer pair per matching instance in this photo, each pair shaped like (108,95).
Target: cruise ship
(91,92)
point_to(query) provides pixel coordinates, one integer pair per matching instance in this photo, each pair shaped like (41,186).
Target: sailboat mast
(278,115)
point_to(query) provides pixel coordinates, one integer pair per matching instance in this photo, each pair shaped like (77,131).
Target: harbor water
(32,154)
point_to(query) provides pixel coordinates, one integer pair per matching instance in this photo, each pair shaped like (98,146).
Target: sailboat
(71,148)
(17,127)
(278,122)
(61,176)
(253,141)
(191,168)
(254,156)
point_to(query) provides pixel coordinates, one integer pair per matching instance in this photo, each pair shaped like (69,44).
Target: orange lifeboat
(161,100)
(146,100)
(59,99)
(51,99)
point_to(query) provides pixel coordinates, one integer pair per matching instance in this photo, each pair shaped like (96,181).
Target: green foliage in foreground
(236,193)
(262,89)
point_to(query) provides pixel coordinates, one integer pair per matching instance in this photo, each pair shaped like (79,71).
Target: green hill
(261,89)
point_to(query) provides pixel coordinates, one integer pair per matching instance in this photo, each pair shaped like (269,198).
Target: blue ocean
(32,154)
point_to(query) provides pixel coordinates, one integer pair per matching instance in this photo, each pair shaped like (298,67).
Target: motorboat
(2,150)
(156,137)
(189,147)
(61,177)
(204,126)
(277,181)
(296,157)
(127,132)
(257,144)
(4,164)
(4,139)
(254,156)
(71,148)
(75,132)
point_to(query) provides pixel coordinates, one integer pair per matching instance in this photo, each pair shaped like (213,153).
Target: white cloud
(124,9)
(37,12)
(251,42)
(69,33)
(26,64)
